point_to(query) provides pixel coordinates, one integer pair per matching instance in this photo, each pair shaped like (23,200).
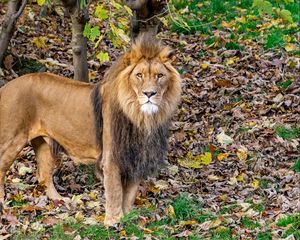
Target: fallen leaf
(242,153)
(224,139)
(255,183)
(39,42)
(222,156)
(196,161)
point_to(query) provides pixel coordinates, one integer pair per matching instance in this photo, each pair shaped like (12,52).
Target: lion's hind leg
(8,152)
(45,166)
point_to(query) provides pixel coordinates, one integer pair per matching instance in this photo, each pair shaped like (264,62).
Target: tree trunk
(14,10)
(145,16)
(79,18)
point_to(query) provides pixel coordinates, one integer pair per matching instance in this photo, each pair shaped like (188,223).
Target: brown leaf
(8,62)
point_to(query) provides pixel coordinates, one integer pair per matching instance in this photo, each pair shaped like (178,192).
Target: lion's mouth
(149,107)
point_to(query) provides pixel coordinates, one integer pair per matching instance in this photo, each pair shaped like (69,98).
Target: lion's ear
(167,55)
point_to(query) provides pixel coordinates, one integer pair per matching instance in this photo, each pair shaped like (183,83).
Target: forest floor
(234,153)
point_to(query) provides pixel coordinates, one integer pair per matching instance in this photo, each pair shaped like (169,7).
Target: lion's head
(147,86)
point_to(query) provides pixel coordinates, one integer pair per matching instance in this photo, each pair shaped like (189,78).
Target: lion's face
(149,80)
(147,86)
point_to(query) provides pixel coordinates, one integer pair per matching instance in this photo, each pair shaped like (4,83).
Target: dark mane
(98,120)
(137,153)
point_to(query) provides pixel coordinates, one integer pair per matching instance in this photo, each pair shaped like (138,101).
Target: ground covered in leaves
(234,157)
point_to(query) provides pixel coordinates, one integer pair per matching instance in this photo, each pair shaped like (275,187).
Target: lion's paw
(111,220)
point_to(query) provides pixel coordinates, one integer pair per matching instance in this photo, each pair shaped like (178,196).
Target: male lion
(122,122)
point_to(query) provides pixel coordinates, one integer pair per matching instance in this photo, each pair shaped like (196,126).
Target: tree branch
(21,8)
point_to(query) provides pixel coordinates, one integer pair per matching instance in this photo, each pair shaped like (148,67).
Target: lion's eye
(139,75)
(160,75)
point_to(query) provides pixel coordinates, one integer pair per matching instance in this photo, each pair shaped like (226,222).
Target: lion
(120,124)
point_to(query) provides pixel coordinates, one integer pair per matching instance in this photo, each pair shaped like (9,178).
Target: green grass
(287,133)
(186,207)
(291,224)
(249,223)
(190,208)
(267,235)
(274,39)
(222,234)
(296,166)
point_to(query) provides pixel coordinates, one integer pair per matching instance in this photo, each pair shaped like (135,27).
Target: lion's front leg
(129,195)
(113,193)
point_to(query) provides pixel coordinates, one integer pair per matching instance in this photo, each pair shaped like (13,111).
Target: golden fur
(137,97)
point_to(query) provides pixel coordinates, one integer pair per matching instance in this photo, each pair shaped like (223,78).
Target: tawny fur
(93,122)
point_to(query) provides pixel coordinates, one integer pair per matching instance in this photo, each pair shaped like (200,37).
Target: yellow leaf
(223,197)
(92,75)
(103,57)
(216,223)
(206,158)
(240,178)
(195,161)
(226,24)
(171,212)
(290,47)
(41,2)
(187,223)
(204,66)
(128,10)
(39,42)
(231,60)
(79,216)
(222,156)
(242,153)
(147,231)
(255,183)
(241,19)
(123,233)
(99,218)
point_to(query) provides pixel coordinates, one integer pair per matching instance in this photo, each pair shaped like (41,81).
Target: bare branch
(17,14)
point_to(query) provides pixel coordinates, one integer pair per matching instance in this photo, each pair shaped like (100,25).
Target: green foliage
(287,133)
(284,84)
(189,208)
(296,166)
(272,23)
(222,234)
(116,19)
(266,7)
(292,225)
(263,6)
(267,235)
(275,39)
(249,223)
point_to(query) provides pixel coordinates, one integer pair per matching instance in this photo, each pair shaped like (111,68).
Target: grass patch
(287,133)
(189,208)
(249,223)
(222,233)
(296,166)
(274,39)
(267,235)
(291,224)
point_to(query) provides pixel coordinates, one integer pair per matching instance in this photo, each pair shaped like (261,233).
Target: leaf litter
(226,150)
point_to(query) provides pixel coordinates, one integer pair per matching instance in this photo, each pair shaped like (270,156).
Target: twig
(17,14)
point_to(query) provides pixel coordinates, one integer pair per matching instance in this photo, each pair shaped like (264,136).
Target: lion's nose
(150,94)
